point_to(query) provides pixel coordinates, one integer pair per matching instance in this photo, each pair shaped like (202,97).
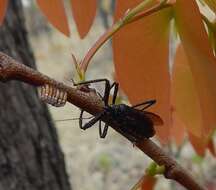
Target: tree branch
(12,70)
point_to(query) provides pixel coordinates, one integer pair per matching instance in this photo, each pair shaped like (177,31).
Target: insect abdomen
(133,122)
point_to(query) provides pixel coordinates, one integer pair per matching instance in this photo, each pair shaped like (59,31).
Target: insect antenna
(72,119)
(146,104)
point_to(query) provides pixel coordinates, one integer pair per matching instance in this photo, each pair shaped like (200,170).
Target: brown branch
(12,70)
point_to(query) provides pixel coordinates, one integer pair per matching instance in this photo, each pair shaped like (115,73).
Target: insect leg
(115,85)
(107,87)
(147,103)
(104,132)
(93,121)
(106,93)
(105,98)
(81,119)
(91,81)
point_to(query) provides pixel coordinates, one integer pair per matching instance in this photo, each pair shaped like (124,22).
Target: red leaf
(199,144)
(177,129)
(145,183)
(212,147)
(185,97)
(141,61)
(55,12)
(84,13)
(148,183)
(200,58)
(3,9)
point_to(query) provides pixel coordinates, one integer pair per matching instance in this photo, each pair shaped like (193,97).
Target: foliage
(185,92)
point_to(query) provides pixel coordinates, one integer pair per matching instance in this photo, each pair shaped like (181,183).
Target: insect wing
(156,119)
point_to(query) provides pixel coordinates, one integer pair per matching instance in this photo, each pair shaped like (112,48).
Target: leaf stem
(131,16)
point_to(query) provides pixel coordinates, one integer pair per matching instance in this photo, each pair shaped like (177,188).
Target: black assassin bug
(134,123)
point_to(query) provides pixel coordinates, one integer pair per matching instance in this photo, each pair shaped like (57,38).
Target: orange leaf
(145,183)
(141,61)
(198,143)
(201,144)
(3,8)
(177,129)
(55,13)
(212,147)
(200,57)
(185,97)
(84,13)
(148,183)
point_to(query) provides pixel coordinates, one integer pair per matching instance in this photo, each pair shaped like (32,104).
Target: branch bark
(12,70)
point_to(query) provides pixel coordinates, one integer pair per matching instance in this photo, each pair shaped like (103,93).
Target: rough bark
(30,155)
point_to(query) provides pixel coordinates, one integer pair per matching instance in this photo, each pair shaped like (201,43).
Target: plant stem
(12,70)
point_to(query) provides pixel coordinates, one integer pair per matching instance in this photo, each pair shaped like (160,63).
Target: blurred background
(94,163)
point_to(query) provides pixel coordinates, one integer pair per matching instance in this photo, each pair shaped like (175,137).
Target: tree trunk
(30,155)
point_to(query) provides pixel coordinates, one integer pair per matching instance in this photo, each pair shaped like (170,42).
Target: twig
(12,70)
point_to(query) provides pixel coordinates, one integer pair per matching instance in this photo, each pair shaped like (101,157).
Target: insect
(134,123)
